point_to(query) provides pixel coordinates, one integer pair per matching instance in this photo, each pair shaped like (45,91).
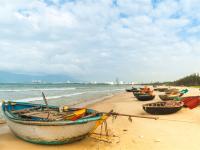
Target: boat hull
(159,108)
(40,131)
(51,134)
(166,97)
(161,111)
(145,97)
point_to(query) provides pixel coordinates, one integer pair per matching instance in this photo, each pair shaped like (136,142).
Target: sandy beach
(176,131)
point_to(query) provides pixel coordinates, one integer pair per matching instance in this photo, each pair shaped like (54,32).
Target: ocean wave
(113,90)
(35,89)
(48,97)
(65,95)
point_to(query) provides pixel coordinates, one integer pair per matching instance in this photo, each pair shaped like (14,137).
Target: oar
(127,115)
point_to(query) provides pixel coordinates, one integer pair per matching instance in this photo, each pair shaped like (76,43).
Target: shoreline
(176,131)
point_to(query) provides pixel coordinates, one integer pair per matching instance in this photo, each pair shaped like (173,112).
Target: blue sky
(140,40)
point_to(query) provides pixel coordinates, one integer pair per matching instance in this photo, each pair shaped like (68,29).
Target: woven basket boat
(145,97)
(162,108)
(172,91)
(166,97)
(161,89)
(132,90)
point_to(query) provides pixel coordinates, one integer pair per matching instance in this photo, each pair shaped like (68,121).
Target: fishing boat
(191,101)
(137,93)
(145,97)
(172,91)
(173,96)
(166,97)
(132,90)
(36,123)
(161,89)
(162,108)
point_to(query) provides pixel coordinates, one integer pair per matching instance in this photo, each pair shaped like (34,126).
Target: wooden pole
(45,100)
(127,115)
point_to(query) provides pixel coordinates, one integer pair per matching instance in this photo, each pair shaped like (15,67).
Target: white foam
(48,97)
(35,89)
(60,96)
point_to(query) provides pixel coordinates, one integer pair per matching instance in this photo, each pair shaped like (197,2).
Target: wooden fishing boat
(37,124)
(132,90)
(167,97)
(161,89)
(172,91)
(137,93)
(191,101)
(145,97)
(162,108)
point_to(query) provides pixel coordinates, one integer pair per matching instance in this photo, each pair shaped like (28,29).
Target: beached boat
(145,97)
(132,90)
(172,91)
(191,101)
(162,108)
(37,124)
(161,89)
(137,93)
(166,97)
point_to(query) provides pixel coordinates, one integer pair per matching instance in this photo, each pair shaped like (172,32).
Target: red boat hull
(191,101)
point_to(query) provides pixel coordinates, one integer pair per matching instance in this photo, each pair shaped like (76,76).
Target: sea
(71,94)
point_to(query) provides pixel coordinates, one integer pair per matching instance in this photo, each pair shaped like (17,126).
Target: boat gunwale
(12,118)
(154,105)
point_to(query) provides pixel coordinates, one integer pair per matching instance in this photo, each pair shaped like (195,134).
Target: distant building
(121,82)
(111,83)
(36,81)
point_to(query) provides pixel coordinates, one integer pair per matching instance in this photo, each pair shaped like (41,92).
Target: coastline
(176,131)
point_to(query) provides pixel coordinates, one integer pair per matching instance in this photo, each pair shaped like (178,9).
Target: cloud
(100,40)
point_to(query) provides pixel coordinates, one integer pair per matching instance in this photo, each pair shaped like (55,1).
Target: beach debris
(114,117)
(130,119)
(141,136)
(157,140)
(125,130)
(133,141)
(110,138)
(2,121)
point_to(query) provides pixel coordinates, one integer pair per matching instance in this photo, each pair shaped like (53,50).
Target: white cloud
(99,40)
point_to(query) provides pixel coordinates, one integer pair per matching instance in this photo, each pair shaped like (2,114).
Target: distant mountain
(7,77)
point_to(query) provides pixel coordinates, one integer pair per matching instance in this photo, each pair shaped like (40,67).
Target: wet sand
(176,131)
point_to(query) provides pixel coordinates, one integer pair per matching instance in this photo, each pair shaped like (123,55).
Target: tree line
(190,80)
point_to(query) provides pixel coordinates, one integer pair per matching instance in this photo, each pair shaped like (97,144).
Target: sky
(101,40)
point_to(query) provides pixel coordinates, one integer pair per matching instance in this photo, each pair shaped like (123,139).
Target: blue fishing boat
(38,124)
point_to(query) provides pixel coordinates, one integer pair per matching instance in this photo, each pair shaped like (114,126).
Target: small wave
(48,97)
(113,90)
(43,89)
(60,96)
